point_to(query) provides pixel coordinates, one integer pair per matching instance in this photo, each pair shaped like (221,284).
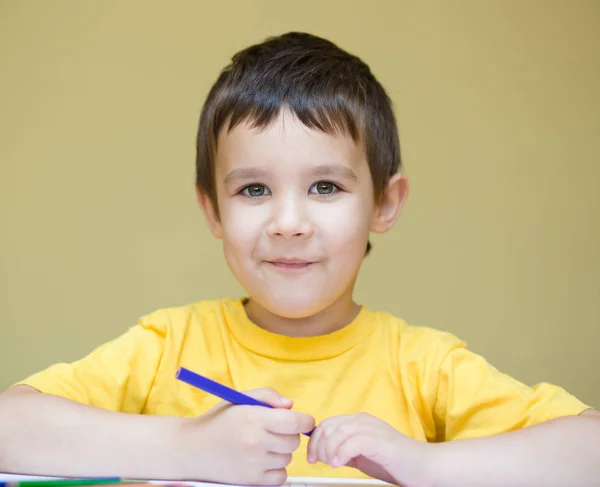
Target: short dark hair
(327,88)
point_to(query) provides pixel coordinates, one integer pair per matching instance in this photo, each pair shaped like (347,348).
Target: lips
(290,264)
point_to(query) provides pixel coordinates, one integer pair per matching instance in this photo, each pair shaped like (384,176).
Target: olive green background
(499,113)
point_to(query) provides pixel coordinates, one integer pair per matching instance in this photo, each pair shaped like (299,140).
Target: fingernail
(311,459)
(335,462)
(285,401)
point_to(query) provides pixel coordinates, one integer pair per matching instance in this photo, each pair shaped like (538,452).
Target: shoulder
(178,319)
(419,341)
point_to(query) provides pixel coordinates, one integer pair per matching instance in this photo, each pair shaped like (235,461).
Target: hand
(245,445)
(372,446)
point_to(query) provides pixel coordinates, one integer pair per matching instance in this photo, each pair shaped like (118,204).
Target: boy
(297,162)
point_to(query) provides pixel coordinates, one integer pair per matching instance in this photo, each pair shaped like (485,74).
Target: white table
(291,482)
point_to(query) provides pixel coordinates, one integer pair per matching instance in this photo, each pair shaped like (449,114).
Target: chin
(293,307)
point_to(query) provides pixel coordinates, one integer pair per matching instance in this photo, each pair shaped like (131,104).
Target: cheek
(241,226)
(346,225)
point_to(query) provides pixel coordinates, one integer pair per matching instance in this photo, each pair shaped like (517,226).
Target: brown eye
(255,190)
(324,187)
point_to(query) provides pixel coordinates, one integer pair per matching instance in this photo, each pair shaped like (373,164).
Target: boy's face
(295,210)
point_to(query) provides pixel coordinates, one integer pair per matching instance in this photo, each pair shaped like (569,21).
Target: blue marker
(219,390)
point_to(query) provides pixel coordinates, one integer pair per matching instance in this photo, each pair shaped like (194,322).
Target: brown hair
(327,88)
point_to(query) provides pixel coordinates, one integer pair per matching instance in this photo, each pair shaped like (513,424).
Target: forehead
(285,145)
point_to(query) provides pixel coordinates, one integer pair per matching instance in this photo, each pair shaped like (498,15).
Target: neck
(333,318)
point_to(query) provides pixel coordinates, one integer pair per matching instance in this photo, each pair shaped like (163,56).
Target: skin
(559,452)
(244,445)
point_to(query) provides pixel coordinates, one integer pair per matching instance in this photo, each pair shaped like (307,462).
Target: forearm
(562,452)
(49,435)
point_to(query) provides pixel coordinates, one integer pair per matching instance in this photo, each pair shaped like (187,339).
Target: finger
(318,438)
(275,477)
(354,446)
(322,447)
(283,443)
(278,461)
(312,452)
(283,422)
(313,444)
(336,435)
(271,397)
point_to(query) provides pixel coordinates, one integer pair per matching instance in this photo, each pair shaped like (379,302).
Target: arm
(560,452)
(50,435)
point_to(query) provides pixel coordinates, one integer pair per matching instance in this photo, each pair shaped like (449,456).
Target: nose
(289,219)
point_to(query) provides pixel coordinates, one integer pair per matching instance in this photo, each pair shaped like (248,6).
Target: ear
(388,209)
(210,213)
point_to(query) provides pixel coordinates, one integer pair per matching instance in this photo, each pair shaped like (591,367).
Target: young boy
(298,159)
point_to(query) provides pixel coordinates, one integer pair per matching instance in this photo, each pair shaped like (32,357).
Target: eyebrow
(325,170)
(243,174)
(335,170)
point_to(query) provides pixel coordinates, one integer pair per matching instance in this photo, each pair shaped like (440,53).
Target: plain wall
(499,114)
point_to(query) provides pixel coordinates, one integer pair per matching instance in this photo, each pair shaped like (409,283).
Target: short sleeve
(474,399)
(117,376)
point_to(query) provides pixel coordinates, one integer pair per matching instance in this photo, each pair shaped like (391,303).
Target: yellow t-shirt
(423,382)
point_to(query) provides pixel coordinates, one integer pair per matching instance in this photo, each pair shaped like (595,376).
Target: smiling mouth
(290,264)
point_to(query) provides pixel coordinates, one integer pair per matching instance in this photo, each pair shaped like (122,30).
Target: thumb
(271,397)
